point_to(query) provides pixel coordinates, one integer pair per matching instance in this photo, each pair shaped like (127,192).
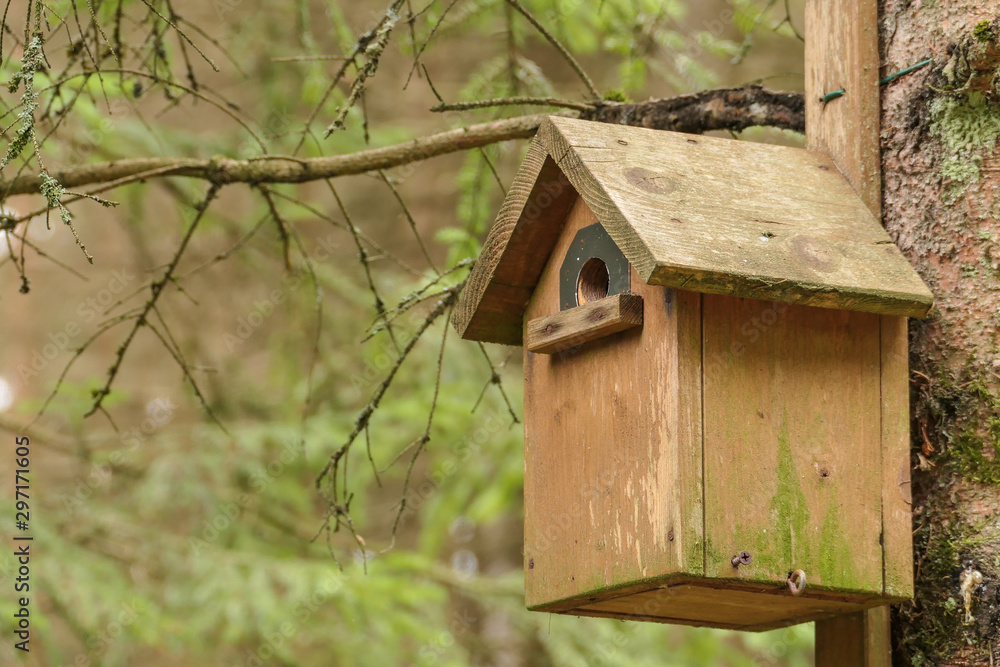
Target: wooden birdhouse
(715,367)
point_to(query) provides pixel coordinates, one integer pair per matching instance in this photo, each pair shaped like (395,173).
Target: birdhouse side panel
(612,448)
(897,517)
(793,449)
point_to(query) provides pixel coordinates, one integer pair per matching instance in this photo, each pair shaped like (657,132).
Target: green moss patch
(966,125)
(941,630)
(982,32)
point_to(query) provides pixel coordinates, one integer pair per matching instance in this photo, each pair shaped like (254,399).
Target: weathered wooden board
(582,324)
(841,52)
(854,640)
(700,213)
(792,443)
(515,251)
(720,216)
(696,604)
(897,518)
(612,448)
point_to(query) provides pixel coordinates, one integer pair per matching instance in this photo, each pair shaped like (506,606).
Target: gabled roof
(699,213)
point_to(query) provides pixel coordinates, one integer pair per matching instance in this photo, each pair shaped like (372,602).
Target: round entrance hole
(593,281)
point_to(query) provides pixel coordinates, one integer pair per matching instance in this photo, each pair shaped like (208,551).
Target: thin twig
(563,51)
(513,101)
(373,49)
(182,35)
(156,290)
(330,469)
(409,219)
(365,263)
(419,52)
(425,437)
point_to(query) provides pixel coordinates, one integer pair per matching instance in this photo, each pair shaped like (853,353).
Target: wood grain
(841,39)
(792,443)
(612,495)
(700,213)
(693,603)
(491,306)
(842,53)
(731,217)
(854,640)
(582,324)
(897,519)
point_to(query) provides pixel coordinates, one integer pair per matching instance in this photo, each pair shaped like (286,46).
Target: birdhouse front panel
(716,384)
(612,445)
(720,426)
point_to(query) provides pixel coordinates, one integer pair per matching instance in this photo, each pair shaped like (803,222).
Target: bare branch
(513,101)
(727,108)
(721,109)
(289,170)
(372,45)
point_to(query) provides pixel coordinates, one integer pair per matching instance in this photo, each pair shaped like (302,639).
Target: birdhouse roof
(692,212)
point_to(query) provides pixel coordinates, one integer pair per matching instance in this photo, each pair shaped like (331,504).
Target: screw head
(742,558)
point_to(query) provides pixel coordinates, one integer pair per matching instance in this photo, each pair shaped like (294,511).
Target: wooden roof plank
(733,217)
(693,212)
(515,252)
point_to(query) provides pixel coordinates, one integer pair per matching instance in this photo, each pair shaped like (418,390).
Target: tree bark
(939,128)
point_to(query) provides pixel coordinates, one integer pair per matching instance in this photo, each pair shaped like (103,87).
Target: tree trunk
(939,128)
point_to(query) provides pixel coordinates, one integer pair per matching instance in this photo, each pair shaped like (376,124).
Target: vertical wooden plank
(792,444)
(612,454)
(686,309)
(854,640)
(897,521)
(839,641)
(842,53)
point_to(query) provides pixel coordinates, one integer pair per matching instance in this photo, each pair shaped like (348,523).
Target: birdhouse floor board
(574,327)
(694,604)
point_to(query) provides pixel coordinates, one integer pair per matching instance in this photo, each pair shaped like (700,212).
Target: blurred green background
(161,539)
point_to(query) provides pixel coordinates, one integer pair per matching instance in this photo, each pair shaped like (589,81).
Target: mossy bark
(940,128)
